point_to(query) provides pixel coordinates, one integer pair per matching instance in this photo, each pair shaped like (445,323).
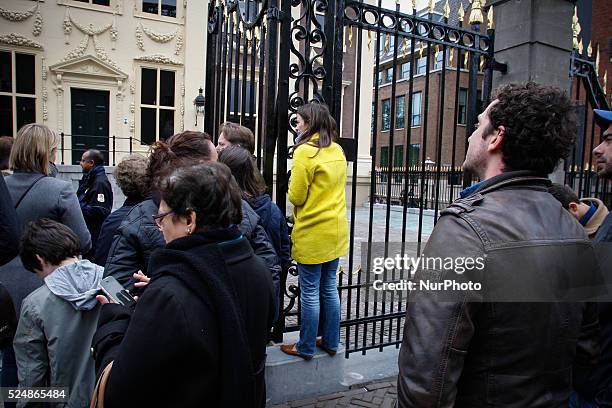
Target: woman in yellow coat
(320,231)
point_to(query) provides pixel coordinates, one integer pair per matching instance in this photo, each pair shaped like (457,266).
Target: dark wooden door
(89,122)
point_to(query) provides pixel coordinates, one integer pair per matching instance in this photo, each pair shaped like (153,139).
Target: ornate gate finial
(476,16)
(490,22)
(575,28)
(461,13)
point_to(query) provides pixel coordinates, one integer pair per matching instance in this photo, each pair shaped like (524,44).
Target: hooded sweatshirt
(56,325)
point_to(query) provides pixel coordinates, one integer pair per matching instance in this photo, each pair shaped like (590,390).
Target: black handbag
(8,318)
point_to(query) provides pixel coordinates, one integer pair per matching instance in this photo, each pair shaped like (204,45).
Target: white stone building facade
(109,74)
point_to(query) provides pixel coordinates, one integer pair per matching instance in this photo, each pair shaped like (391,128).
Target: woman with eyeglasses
(320,230)
(138,236)
(198,334)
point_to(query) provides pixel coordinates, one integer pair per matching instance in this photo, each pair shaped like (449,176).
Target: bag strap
(28,190)
(97,399)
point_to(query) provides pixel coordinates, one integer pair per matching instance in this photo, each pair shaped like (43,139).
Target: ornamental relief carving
(161,38)
(20,40)
(159,59)
(19,16)
(90,31)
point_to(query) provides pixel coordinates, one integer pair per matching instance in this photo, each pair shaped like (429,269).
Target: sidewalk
(381,394)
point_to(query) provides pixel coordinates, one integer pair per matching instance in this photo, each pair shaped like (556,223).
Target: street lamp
(199,103)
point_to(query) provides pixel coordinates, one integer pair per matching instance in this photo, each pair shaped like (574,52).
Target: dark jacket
(468,348)
(109,228)
(9,230)
(275,225)
(48,198)
(96,199)
(138,236)
(595,383)
(198,334)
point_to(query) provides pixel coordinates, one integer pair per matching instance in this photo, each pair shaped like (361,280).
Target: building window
(416,109)
(386,114)
(389,72)
(17,91)
(462,107)
(399,111)
(384,156)
(157,104)
(373,118)
(421,65)
(398,155)
(438,60)
(415,149)
(406,70)
(166,8)
(97,2)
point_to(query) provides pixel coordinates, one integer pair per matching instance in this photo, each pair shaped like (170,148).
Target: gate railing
(291,52)
(589,93)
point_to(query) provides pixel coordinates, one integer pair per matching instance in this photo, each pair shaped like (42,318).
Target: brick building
(423,129)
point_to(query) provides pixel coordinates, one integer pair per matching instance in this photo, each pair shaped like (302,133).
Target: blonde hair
(33,148)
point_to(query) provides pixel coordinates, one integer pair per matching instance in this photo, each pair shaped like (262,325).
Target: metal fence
(589,94)
(76,145)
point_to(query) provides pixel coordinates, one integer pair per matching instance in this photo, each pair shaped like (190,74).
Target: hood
(598,218)
(263,207)
(77,283)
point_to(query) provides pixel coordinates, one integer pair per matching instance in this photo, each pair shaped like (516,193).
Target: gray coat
(56,326)
(49,198)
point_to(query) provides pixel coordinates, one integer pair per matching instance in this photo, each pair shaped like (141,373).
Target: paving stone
(304,402)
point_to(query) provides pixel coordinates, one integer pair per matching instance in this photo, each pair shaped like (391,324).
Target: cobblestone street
(381,394)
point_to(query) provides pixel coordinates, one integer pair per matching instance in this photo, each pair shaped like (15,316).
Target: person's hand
(143,280)
(102,299)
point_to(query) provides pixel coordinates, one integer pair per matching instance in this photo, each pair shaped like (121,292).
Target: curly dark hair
(209,189)
(540,123)
(132,178)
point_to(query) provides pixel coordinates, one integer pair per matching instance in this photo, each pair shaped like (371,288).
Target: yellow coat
(317,191)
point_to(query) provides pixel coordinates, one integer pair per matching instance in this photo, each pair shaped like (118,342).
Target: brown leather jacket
(508,344)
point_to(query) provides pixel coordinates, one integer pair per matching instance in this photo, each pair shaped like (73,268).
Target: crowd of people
(198,248)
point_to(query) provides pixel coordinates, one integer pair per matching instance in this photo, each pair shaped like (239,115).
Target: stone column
(534,37)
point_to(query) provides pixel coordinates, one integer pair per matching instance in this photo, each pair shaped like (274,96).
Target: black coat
(9,229)
(198,335)
(96,199)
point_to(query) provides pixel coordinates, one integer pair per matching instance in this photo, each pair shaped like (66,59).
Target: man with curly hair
(504,333)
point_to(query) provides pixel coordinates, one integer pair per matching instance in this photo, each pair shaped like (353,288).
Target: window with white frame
(157,104)
(399,111)
(164,8)
(96,2)
(415,120)
(386,114)
(17,91)
(406,70)
(421,65)
(462,107)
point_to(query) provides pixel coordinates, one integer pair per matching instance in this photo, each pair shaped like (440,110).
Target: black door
(89,122)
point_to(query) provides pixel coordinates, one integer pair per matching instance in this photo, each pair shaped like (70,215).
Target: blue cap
(603,117)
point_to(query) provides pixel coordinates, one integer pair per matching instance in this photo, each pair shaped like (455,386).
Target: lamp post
(199,103)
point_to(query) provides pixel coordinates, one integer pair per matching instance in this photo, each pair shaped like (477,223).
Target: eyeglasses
(158,218)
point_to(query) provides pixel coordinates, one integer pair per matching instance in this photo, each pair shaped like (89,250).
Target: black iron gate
(426,74)
(589,94)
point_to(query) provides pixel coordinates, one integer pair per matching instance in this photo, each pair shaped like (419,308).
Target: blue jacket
(275,225)
(108,230)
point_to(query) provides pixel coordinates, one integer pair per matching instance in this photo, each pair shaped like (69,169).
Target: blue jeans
(319,280)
